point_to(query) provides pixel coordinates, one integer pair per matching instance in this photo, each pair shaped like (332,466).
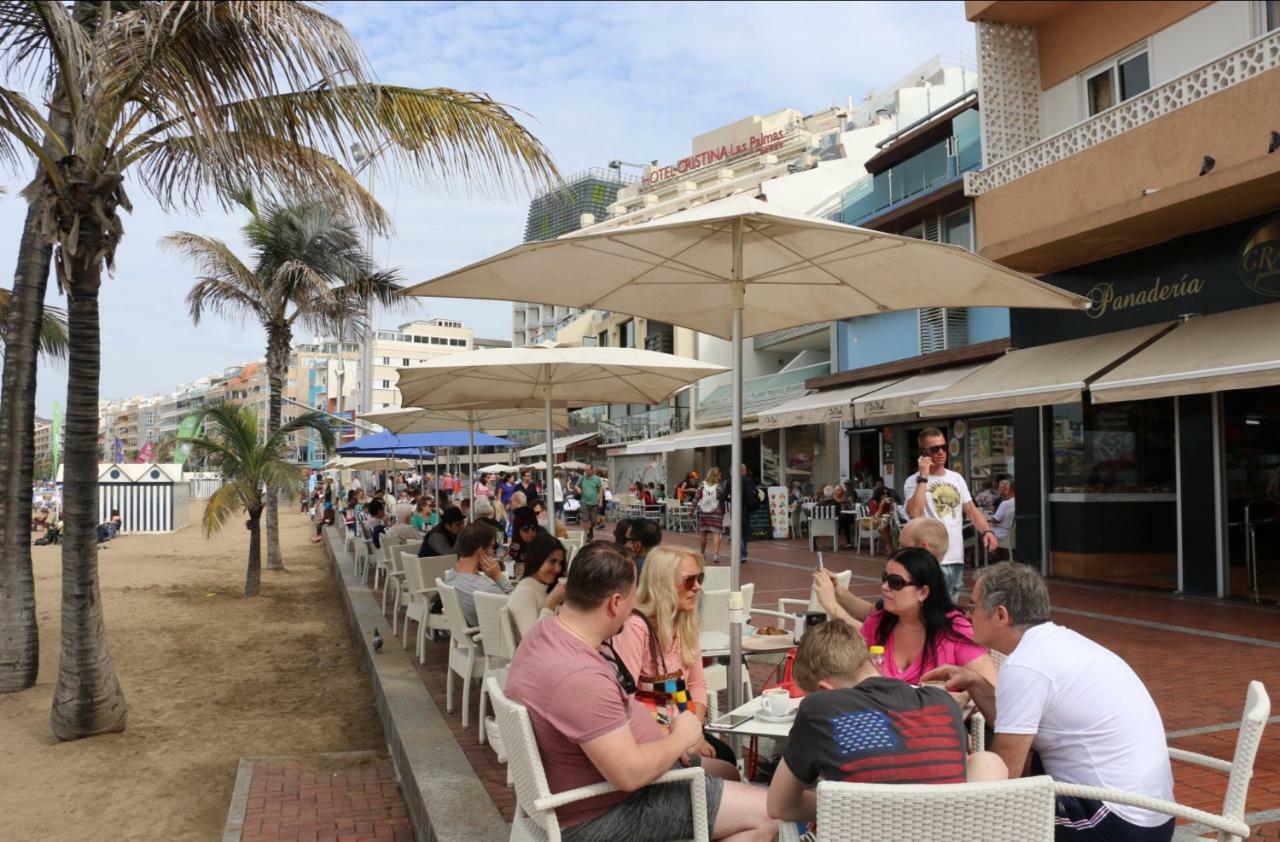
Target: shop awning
(1046,374)
(562,444)
(900,401)
(819,407)
(688,440)
(1239,349)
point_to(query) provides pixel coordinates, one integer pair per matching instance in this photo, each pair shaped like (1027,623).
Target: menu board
(779,511)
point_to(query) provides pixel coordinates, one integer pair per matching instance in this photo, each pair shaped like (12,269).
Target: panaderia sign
(757,145)
(1220,269)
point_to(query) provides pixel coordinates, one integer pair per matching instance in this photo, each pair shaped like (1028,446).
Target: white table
(754,727)
(715,644)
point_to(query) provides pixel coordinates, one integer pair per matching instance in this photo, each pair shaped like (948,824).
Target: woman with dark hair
(538,594)
(918,625)
(524,528)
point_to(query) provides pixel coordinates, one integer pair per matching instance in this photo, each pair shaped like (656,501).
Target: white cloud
(599,81)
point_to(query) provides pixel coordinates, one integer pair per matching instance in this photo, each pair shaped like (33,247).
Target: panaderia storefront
(1147,431)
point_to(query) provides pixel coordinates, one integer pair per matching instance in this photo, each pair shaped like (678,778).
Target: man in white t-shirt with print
(1078,705)
(936,492)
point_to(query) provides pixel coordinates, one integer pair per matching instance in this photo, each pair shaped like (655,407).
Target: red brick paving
(1195,681)
(318,800)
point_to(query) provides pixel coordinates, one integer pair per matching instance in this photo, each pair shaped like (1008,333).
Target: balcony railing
(645,425)
(760,393)
(1253,59)
(927,170)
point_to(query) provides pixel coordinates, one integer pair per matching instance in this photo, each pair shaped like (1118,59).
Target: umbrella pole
(471,461)
(550,494)
(738,507)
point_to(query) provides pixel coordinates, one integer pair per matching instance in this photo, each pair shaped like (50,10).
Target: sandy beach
(209,677)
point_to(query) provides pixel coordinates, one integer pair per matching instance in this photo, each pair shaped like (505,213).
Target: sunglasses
(688,582)
(894,581)
(528,529)
(936,449)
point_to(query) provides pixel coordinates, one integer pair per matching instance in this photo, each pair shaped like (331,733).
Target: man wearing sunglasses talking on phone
(936,492)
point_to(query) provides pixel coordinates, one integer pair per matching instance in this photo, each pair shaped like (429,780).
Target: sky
(594,81)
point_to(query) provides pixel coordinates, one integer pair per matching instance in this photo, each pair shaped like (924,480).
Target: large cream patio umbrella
(554,376)
(366,463)
(413,419)
(739,267)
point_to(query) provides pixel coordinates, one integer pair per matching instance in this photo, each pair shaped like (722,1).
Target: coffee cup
(509,568)
(776,701)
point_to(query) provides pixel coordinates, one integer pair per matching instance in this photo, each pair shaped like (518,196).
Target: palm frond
(230,498)
(53,327)
(179,170)
(225,285)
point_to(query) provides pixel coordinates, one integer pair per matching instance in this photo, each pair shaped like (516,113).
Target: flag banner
(186,429)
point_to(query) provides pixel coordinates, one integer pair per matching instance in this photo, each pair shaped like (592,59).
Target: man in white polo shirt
(936,492)
(1078,705)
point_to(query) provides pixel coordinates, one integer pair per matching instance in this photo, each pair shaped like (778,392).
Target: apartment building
(413,343)
(1128,154)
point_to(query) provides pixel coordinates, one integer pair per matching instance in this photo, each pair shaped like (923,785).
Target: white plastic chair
(499,648)
(393,584)
(420,577)
(824,522)
(788,607)
(1230,825)
(535,817)
(1020,809)
(465,659)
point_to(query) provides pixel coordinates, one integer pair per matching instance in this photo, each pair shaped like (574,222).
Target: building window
(458,343)
(1114,448)
(602,339)
(386,384)
(436,340)
(1119,80)
(627,334)
(386,361)
(406,363)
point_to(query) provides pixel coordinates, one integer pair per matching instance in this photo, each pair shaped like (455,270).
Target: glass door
(1251,429)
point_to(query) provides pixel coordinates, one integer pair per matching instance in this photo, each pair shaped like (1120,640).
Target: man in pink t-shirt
(589,729)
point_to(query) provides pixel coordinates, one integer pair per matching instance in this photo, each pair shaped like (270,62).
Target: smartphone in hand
(821,566)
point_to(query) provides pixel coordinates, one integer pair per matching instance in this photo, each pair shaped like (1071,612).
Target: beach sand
(209,676)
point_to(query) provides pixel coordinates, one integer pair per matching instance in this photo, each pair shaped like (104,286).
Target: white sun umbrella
(740,267)
(367,463)
(556,376)
(496,468)
(417,419)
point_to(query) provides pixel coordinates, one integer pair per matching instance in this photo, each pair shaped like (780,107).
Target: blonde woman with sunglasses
(660,647)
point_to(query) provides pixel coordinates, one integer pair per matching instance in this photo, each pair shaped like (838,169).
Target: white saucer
(768,719)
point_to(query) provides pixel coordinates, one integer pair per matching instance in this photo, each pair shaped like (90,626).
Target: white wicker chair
(717,579)
(1230,825)
(465,658)
(420,577)
(535,818)
(1020,809)
(499,648)
(715,617)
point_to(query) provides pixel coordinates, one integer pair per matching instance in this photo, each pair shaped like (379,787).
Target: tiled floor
(324,799)
(1196,657)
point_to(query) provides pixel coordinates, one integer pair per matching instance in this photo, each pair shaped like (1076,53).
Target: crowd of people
(617,631)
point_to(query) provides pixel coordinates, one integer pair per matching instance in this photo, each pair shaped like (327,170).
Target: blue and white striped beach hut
(151,497)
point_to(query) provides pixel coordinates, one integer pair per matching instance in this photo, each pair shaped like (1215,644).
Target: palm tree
(254,470)
(310,268)
(195,100)
(52,341)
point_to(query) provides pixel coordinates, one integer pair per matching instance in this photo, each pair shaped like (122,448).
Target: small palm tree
(252,469)
(310,267)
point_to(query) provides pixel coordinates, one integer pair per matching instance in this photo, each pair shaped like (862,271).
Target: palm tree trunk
(279,339)
(253,576)
(88,699)
(19,635)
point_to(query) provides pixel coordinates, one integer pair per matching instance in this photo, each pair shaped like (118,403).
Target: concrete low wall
(445,797)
